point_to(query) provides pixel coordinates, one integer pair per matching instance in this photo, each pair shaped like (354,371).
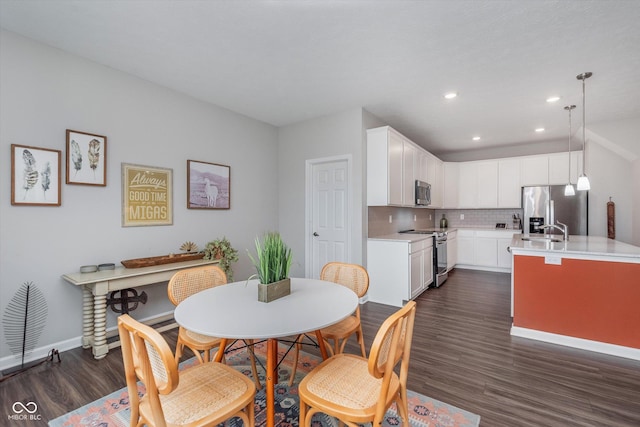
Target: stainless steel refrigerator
(548,204)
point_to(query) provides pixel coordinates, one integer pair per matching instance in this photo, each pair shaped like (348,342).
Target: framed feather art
(35,176)
(86,158)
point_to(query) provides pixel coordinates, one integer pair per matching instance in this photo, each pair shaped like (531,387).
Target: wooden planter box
(273,291)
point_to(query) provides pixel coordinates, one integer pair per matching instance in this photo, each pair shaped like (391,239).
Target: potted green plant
(273,264)
(222,250)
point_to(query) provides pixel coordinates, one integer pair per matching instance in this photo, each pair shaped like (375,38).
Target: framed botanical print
(86,158)
(147,195)
(208,185)
(35,176)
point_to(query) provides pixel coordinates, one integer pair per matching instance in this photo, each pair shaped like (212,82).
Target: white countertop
(407,237)
(403,237)
(589,246)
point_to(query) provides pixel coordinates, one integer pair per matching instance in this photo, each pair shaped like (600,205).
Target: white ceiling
(287,61)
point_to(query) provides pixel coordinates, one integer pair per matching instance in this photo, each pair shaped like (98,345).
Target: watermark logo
(24,411)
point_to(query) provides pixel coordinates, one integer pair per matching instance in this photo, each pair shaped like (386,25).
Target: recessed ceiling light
(552,99)
(450,95)
(476,138)
(540,130)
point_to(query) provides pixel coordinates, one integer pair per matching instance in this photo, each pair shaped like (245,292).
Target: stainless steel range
(440,273)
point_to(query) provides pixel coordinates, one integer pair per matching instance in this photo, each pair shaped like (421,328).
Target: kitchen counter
(582,293)
(402,237)
(585,247)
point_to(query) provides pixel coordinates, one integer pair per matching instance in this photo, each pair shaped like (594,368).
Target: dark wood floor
(462,354)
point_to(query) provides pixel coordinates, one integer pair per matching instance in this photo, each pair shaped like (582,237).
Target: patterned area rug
(113,410)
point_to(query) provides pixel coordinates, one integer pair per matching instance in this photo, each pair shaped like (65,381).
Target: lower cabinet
(452,249)
(484,249)
(398,270)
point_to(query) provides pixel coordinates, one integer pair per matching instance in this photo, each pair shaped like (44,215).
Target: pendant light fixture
(568,189)
(583,181)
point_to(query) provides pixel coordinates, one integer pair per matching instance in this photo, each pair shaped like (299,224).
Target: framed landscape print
(86,158)
(147,195)
(35,176)
(208,185)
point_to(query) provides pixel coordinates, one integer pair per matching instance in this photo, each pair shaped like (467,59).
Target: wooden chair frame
(182,285)
(391,346)
(147,357)
(356,278)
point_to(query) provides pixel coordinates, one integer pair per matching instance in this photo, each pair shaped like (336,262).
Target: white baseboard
(482,268)
(40,353)
(581,343)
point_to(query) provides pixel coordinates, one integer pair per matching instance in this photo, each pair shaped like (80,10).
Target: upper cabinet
(534,170)
(393,164)
(478,184)
(385,159)
(431,171)
(450,188)
(509,183)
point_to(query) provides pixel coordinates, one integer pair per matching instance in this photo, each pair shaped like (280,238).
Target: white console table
(96,286)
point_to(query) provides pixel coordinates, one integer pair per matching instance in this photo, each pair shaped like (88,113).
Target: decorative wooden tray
(158,260)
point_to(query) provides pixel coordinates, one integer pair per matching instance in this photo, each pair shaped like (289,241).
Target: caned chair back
(148,358)
(392,343)
(187,282)
(202,395)
(353,276)
(372,383)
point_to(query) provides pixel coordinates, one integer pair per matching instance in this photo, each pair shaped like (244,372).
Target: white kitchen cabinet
(478,184)
(467,184)
(450,175)
(393,164)
(398,270)
(484,249)
(534,170)
(452,249)
(466,247)
(487,179)
(409,173)
(436,179)
(421,267)
(423,166)
(384,167)
(509,189)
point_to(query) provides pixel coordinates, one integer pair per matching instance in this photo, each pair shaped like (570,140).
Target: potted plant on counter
(222,250)
(273,264)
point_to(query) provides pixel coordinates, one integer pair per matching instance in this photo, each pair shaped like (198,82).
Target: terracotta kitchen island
(583,293)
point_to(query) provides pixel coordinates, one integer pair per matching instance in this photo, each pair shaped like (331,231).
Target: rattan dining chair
(356,278)
(182,285)
(358,390)
(205,394)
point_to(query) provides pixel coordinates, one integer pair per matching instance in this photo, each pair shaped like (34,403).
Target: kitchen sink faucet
(562,227)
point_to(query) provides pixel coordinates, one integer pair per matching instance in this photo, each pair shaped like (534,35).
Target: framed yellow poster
(147,195)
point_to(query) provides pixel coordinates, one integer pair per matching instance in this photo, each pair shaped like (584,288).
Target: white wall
(610,176)
(635,213)
(45,91)
(334,135)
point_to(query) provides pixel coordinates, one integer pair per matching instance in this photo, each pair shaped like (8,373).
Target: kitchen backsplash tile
(478,218)
(402,219)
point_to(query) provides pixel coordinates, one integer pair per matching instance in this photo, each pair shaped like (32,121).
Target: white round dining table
(232,311)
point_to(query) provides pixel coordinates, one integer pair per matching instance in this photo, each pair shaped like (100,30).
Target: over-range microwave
(423,193)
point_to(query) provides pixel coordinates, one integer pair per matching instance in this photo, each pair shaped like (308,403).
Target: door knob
(315,234)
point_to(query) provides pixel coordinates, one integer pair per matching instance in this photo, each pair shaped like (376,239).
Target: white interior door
(328,216)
